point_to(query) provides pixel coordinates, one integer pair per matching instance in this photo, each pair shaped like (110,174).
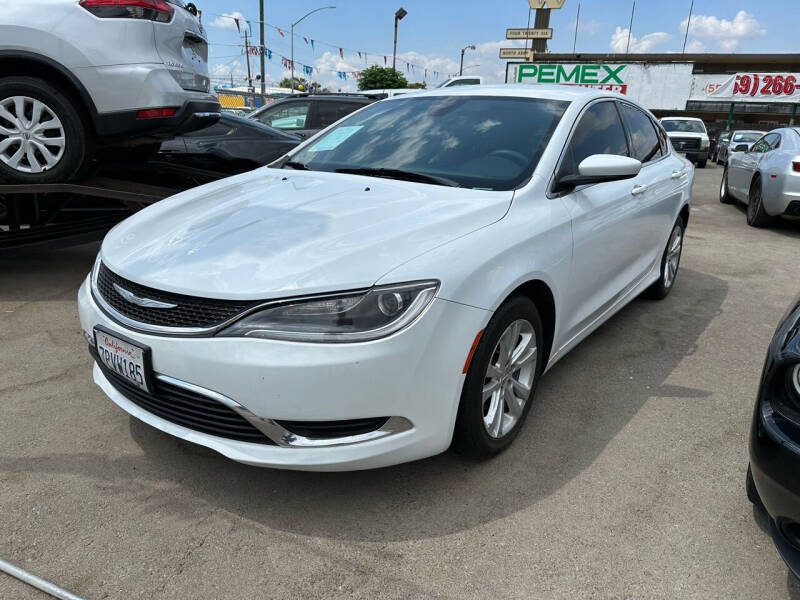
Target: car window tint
(289,115)
(773,140)
(662,138)
(646,146)
(330,112)
(598,132)
(761,145)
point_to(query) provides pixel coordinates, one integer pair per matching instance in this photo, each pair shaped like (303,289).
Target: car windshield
(683,126)
(483,142)
(747,136)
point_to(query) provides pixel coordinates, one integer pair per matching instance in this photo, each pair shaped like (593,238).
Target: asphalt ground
(626,482)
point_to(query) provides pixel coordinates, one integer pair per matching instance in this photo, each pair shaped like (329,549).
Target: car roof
(680,119)
(749,131)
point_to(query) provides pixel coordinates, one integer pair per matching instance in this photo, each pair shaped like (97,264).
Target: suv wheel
(43,138)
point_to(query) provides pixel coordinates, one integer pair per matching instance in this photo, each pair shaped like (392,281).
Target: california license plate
(126,358)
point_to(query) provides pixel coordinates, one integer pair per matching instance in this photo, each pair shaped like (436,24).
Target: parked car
(772,476)
(765,176)
(75,76)
(399,283)
(305,115)
(461,80)
(736,138)
(689,137)
(232,145)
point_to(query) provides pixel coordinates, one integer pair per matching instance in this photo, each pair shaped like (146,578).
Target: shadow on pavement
(580,407)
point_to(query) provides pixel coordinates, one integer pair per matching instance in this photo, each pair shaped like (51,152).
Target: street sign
(523,53)
(538,4)
(529,34)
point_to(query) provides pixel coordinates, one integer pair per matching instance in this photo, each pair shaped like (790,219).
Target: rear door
(605,247)
(657,188)
(327,112)
(743,165)
(183,46)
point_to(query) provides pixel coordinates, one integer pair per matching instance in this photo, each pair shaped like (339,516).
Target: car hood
(687,134)
(275,233)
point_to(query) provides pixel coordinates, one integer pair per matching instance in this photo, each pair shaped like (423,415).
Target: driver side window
(599,131)
(761,145)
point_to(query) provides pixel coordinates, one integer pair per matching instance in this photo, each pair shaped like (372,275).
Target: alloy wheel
(509,378)
(32,138)
(674,248)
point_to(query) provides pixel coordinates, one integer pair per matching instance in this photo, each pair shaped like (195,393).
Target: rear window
(646,145)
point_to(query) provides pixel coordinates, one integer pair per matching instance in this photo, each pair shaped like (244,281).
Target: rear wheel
(756,215)
(501,380)
(43,138)
(724,195)
(670,262)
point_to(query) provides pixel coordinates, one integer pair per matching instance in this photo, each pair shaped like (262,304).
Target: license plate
(126,358)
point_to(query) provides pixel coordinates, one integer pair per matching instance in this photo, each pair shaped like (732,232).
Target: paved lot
(627,482)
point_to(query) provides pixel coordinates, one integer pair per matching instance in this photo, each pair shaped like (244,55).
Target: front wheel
(43,138)
(670,262)
(724,194)
(501,380)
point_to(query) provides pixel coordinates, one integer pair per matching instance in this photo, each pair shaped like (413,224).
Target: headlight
(359,317)
(704,143)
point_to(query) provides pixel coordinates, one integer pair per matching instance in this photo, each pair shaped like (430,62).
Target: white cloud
(619,41)
(694,46)
(226,21)
(743,25)
(729,45)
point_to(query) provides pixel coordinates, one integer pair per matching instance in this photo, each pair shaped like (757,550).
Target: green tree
(417,85)
(381,78)
(303,85)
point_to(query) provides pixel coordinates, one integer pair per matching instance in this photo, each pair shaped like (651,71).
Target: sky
(433,33)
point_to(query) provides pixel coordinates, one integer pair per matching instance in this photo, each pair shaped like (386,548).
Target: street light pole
(292,36)
(398,16)
(464,49)
(263,66)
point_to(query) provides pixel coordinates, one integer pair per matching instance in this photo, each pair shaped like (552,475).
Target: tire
(701,164)
(670,263)
(756,215)
(53,154)
(477,433)
(724,194)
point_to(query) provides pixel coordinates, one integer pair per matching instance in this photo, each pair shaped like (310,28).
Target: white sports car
(396,284)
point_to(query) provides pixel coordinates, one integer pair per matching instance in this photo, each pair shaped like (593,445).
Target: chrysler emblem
(139,301)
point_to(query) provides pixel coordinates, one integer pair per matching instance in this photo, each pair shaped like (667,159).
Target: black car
(305,115)
(773,478)
(232,145)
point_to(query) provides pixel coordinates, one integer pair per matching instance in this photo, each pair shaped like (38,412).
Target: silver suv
(76,76)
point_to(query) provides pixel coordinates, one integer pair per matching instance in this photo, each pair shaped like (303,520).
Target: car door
(772,165)
(743,165)
(657,188)
(605,249)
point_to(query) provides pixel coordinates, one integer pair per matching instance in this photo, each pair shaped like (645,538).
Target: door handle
(638,189)
(678,174)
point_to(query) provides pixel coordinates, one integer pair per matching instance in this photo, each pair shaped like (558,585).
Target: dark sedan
(773,479)
(232,145)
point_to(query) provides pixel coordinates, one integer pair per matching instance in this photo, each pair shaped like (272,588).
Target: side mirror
(600,168)
(741,148)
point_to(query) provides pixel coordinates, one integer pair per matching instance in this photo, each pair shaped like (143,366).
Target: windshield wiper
(295,165)
(399,174)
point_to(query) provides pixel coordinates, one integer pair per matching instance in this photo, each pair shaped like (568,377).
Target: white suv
(689,137)
(80,75)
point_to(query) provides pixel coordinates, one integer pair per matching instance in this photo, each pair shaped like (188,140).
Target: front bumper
(415,375)
(775,464)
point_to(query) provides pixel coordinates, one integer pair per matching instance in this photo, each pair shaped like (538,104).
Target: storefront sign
(656,86)
(783,88)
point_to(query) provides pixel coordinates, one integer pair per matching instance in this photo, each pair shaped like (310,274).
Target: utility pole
(541,21)
(630,28)
(247,57)
(577,20)
(688,23)
(398,16)
(263,47)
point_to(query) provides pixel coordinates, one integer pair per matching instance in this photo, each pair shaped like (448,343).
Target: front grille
(190,312)
(685,143)
(188,409)
(322,430)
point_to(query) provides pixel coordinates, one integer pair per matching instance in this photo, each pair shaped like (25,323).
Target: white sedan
(397,284)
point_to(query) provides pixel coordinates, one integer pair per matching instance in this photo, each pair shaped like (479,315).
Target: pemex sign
(609,77)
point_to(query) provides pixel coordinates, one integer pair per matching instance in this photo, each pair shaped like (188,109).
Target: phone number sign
(760,87)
